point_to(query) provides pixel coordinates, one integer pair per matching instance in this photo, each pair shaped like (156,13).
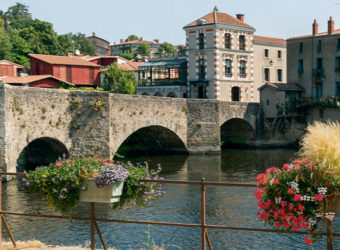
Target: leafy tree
(119,81)
(166,48)
(66,43)
(18,16)
(143,49)
(181,49)
(20,49)
(41,37)
(128,56)
(71,42)
(132,38)
(5,43)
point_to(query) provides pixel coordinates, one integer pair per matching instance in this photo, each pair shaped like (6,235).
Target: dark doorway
(201,91)
(235,94)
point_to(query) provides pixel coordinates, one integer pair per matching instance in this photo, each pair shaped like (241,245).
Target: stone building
(131,46)
(314,62)
(102,46)
(227,62)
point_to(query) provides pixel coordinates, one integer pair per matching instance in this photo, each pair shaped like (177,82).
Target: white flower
(322,190)
(271,182)
(277,200)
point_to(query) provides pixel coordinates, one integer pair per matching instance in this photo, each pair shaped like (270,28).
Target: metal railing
(205,240)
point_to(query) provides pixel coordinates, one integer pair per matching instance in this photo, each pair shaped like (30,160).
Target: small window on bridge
(235,94)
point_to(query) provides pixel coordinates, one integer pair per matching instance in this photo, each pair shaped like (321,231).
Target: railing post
(93,241)
(203,222)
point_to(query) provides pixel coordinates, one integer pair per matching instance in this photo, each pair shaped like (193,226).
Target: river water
(225,206)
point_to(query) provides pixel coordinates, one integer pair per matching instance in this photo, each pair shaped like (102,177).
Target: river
(225,206)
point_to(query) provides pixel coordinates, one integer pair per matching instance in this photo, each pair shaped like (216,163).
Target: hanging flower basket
(108,194)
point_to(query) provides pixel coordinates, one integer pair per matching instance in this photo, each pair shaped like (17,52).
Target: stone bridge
(98,123)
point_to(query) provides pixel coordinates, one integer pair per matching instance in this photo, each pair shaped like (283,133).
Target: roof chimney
(128,40)
(156,40)
(69,54)
(240,17)
(141,39)
(121,40)
(330,25)
(315,27)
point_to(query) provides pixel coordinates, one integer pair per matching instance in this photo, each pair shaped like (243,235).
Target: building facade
(314,62)
(8,68)
(129,46)
(66,68)
(102,46)
(227,62)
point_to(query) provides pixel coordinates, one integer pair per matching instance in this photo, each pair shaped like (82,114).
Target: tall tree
(20,49)
(5,43)
(18,16)
(143,49)
(83,44)
(132,38)
(166,48)
(117,80)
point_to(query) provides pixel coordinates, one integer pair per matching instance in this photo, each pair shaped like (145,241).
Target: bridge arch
(236,131)
(154,139)
(40,152)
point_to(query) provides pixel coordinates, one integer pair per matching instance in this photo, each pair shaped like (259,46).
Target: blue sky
(164,20)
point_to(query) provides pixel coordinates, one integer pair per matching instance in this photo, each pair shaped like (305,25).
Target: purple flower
(54,190)
(60,197)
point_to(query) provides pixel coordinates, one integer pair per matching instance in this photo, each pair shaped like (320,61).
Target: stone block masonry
(97,123)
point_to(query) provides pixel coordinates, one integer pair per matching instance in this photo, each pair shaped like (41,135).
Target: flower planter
(107,194)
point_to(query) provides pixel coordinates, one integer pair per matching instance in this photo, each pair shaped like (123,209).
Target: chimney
(141,39)
(330,26)
(128,39)
(315,27)
(69,54)
(156,40)
(121,40)
(240,17)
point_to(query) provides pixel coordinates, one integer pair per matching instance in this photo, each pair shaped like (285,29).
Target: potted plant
(68,181)
(303,194)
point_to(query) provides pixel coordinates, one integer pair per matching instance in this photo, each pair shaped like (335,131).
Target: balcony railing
(318,73)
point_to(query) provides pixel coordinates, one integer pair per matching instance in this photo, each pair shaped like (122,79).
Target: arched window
(158,94)
(171,94)
(145,93)
(242,41)
(235,94)
(227,41)
(242,69)
(228,72)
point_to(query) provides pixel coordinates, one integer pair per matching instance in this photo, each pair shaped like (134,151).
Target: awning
(164,64)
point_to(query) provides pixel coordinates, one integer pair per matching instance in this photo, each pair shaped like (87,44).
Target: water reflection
(225,206)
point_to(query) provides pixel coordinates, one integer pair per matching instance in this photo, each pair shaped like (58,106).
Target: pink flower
(277,224)
(301,207)
(286,224)
(318,197)
(291,206)
(258,193)
(296,227)
(58,164)
(264,215)
(276,215)
(297,197)
(308,240)
(283,203)
(276,182)
(290,191)
(285,166)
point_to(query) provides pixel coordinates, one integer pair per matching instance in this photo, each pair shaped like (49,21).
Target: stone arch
(39,152)
(152,139)
(236,131)
(158,94)
(145,93)
(171,94)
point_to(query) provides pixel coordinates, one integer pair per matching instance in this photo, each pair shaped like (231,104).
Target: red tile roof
(283,86)
(91,58)
(135,41)
(220,17)
(130,66)
(63,60)
(336,32)
(97,37)
(269,39)
(12,63)
(28,79)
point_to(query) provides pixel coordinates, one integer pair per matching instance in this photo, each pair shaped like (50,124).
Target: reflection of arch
(171,94)
(158,94)
(236,131)
(152,140)
(235,94)
(145,93)
(40,152)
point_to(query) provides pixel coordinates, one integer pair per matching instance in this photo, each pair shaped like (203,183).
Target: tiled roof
(283,86)
(12,63)
(97,37)
(220,17)
(63,60)
(269,39)
(336,32)
(91,58)
(130,66)
(28,79)
(134,42)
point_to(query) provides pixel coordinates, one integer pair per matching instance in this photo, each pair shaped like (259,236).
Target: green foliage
(20,49)
(119,81)
(18,16)
(143,49)
(132,38)
(128,56)
(75,103)
(5,44)
(97,104)
(166,48)
(71,42)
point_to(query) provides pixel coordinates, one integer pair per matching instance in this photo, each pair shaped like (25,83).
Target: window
(338,44)
(319,46)
(337,64)
(279,54)
(202,92)
(301,48)
(243,69)
(319,63)
(267,102)
(318,90)
(201,69)
(227,41)
(300,67)
(266,74)
(228,72)
(337,88)
(201,41)
(266,53)
(235,94)
(279,75)
(242,41)
(37,71)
